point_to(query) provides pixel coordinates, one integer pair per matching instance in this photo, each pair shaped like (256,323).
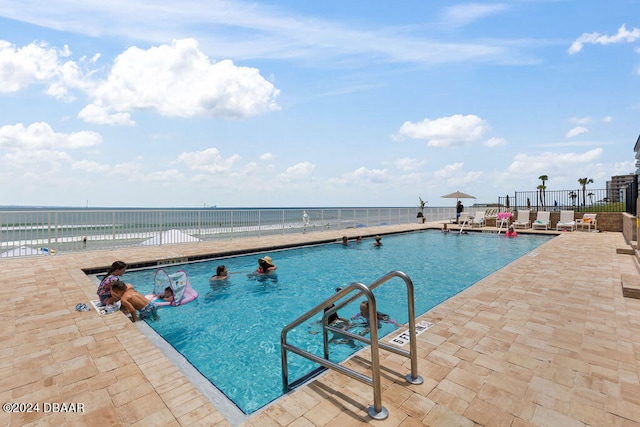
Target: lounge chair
(464,219)
(478,220)
(542,221)
(523,220)
(567,221)
(588,220)
(491,213)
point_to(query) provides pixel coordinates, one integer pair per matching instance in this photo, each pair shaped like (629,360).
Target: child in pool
(511,232)
(133,302)
(167,295)
(221,274)
(363,315)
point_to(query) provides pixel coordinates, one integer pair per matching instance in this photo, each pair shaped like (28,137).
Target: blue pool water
(231,333)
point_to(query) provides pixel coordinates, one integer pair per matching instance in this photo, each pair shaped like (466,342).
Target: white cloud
(40,136)
(580,120)
(607,119)
(38,63)
(208,160)
(244,30)
(466,13)
(178,80)
(362,176)
(449,171)
(622,36)
(34,63)
(91,166)
(266,156)
(495,142)
(298,172)
(542,162)
(96,114)
(409,164)
(454,176)
(576,131)
(452,131)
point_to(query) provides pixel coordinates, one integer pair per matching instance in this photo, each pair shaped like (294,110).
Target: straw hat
(268,260)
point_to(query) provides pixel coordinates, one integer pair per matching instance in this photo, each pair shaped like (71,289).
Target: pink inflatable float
(179,284)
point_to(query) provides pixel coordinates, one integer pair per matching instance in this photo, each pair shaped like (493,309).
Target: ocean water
(68,229)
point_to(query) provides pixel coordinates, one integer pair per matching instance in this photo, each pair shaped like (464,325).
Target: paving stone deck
(549,340)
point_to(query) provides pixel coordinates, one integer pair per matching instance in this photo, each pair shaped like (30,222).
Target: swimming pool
(231,333)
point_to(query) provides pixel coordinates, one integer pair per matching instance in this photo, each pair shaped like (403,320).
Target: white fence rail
(31,232)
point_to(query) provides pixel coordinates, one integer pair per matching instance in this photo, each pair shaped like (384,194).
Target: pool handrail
(377,411)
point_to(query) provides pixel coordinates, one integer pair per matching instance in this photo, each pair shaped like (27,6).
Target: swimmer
(221,274)
(444,228)
(511,232)
(378,241)
(265,266)
(363,315)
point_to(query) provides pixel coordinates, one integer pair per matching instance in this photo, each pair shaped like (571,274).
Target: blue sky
(142,103)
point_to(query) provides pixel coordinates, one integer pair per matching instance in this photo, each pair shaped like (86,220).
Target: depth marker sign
(404,337)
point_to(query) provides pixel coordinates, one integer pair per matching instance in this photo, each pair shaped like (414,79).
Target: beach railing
(43,231)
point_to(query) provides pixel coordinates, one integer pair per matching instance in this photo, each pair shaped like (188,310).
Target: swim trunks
(149,311)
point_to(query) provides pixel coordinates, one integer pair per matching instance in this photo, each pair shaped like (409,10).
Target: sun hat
(267,259)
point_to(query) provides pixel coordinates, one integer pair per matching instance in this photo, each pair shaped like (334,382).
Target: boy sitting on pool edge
(133,302)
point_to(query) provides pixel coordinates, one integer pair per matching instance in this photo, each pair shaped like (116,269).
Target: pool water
(231,332)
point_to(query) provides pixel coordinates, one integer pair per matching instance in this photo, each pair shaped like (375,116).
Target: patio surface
(549,340)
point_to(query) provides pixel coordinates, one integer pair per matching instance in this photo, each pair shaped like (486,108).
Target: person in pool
(167,295)
(221,274)
(378,241)
(341,323)
(266,265)
(363,316)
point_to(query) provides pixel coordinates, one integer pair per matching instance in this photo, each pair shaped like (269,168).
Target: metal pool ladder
(377,411)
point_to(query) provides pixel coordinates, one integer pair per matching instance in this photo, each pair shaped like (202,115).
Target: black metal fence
(579,200)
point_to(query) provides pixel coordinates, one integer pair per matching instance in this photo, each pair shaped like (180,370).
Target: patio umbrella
(457,195)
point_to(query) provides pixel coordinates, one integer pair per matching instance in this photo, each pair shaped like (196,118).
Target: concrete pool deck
(549,340)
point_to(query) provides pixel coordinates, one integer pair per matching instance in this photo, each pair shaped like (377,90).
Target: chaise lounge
(523,220)
(588,220)
(567,221)
(542,222)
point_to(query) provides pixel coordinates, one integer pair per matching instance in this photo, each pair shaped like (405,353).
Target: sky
(223,103)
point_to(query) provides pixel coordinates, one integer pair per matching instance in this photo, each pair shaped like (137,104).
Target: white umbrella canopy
(170,236)
(457,195)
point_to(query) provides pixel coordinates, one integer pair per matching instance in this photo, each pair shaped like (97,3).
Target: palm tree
(422,205)
(573,196)
(584,182)
(541,188)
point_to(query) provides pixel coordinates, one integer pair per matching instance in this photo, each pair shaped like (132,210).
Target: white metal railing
(30,232)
